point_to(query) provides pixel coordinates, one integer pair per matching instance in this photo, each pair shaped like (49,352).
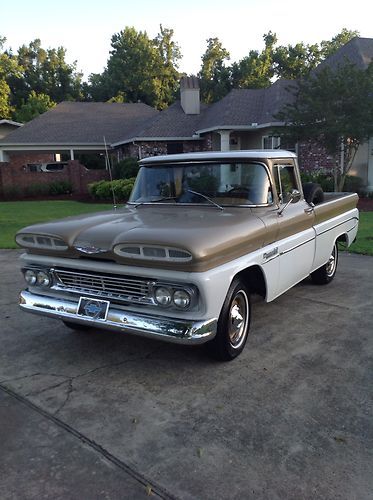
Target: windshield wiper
(206,198)
(165,198)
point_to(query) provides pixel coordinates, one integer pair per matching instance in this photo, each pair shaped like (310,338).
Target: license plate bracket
(93,308)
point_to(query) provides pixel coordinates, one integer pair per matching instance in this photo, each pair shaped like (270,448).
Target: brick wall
(157,148)
(312,157)
(15,176)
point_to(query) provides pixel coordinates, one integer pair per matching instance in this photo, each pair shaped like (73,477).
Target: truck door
(296,236)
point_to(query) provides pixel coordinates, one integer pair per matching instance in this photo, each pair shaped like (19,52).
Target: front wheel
(326,273)
(233,324)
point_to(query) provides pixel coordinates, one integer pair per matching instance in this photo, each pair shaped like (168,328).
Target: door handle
(308,210)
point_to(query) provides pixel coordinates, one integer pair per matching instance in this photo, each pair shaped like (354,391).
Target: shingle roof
(83,123)
(244,107)
(173,122)
(358,51)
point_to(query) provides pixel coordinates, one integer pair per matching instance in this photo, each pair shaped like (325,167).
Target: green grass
(364,240)
(17,214)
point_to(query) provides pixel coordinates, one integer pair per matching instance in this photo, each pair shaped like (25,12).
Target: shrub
(126,169)
(103,190)
(12,192)
(60,187)
(37,189)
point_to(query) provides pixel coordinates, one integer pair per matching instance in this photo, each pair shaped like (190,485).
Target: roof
(221,155)
(83,123)
(358,51)
(247,107)
(170,123)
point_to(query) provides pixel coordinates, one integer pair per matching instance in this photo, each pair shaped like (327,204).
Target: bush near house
(103,190)
(126,168)
(353,184)
(37,189)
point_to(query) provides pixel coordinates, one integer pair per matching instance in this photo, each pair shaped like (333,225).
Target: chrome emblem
(88,249)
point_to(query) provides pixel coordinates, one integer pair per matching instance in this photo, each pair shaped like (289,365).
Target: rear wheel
(326,273)
(233,324)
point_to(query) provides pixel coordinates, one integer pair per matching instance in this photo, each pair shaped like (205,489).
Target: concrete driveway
(105,415)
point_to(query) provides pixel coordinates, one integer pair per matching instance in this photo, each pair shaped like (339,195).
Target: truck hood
(210,235)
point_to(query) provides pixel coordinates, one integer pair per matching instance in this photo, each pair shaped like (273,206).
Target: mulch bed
(365,204)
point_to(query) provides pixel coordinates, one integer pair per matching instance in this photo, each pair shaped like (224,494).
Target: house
(244,119)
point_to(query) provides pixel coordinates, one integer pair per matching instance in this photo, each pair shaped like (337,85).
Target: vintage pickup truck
(199,235)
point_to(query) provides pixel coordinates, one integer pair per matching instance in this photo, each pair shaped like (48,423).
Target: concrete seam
(156,489)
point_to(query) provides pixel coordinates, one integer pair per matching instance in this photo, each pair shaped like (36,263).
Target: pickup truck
(200,234)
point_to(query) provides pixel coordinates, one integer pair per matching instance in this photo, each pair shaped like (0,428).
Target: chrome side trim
(296,246)
(171,330)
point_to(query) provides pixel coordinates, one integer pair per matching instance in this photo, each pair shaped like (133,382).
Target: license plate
(93,308)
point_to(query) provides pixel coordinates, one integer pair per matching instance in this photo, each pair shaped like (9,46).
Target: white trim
(222,155)
(156,139)
(11,122)
(49,147)
(242,128)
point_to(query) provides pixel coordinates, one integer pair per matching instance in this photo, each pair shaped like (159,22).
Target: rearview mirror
(293,198)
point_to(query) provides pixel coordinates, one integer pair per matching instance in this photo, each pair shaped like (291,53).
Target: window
(271,142)
(225,183)
(285,180)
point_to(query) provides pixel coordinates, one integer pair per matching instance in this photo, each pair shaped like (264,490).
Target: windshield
(203,183)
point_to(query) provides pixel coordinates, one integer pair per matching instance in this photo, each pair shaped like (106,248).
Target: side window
(285,180)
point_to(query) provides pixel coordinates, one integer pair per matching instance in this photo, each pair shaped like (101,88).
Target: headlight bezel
(39,273)
(190,290)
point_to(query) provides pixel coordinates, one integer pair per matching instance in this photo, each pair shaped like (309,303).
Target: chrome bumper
(168,329)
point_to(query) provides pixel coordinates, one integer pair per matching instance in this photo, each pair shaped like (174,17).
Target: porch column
(370,165)
(3,156)
(224,139)
(72,154)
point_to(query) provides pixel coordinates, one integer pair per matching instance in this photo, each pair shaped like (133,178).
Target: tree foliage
(139,69)
(35,105)
(8,69)
(335,109)
(214,75)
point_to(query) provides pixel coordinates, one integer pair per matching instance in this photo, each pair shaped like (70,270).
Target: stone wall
(15,177)
(312,156)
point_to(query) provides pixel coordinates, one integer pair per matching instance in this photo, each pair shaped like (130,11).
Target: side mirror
(293,198)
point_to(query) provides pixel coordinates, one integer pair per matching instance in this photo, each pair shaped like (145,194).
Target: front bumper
(162,328)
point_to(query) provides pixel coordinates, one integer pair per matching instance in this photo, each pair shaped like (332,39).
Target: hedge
(103,190)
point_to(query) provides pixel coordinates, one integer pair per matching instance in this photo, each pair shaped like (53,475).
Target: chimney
(189,95)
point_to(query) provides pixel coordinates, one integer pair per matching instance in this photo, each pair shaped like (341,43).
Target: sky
(85,28)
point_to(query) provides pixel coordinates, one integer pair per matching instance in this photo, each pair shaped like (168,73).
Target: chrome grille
(124,288)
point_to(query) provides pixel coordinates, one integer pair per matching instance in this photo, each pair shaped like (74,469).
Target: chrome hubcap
(238,317)
(331,264)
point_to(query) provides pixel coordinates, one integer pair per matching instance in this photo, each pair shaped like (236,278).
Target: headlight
(37,277)
(162,296)
(43,278)
(39,241)
(181,299)
(30,277)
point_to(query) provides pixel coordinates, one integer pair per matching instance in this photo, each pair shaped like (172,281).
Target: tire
(76,326)
(326,273)
(313,193)
(233,324)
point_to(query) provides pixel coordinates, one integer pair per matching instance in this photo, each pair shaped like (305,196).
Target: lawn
(17,214)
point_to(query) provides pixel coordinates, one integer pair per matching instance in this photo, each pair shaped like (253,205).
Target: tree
(35,105)
(256,70)
(45,71)
(335,109)
(329,47)
(293,62)
(8,69)
(214,75)
(139,69)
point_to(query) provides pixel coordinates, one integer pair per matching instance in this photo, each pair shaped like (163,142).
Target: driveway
(105,415)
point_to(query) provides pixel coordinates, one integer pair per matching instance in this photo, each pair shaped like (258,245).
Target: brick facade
(312,156)
(142,149)
(14,176)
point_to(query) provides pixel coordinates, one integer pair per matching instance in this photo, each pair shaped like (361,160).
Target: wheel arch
(254,278)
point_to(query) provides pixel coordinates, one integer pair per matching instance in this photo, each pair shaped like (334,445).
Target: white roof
(222,155)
